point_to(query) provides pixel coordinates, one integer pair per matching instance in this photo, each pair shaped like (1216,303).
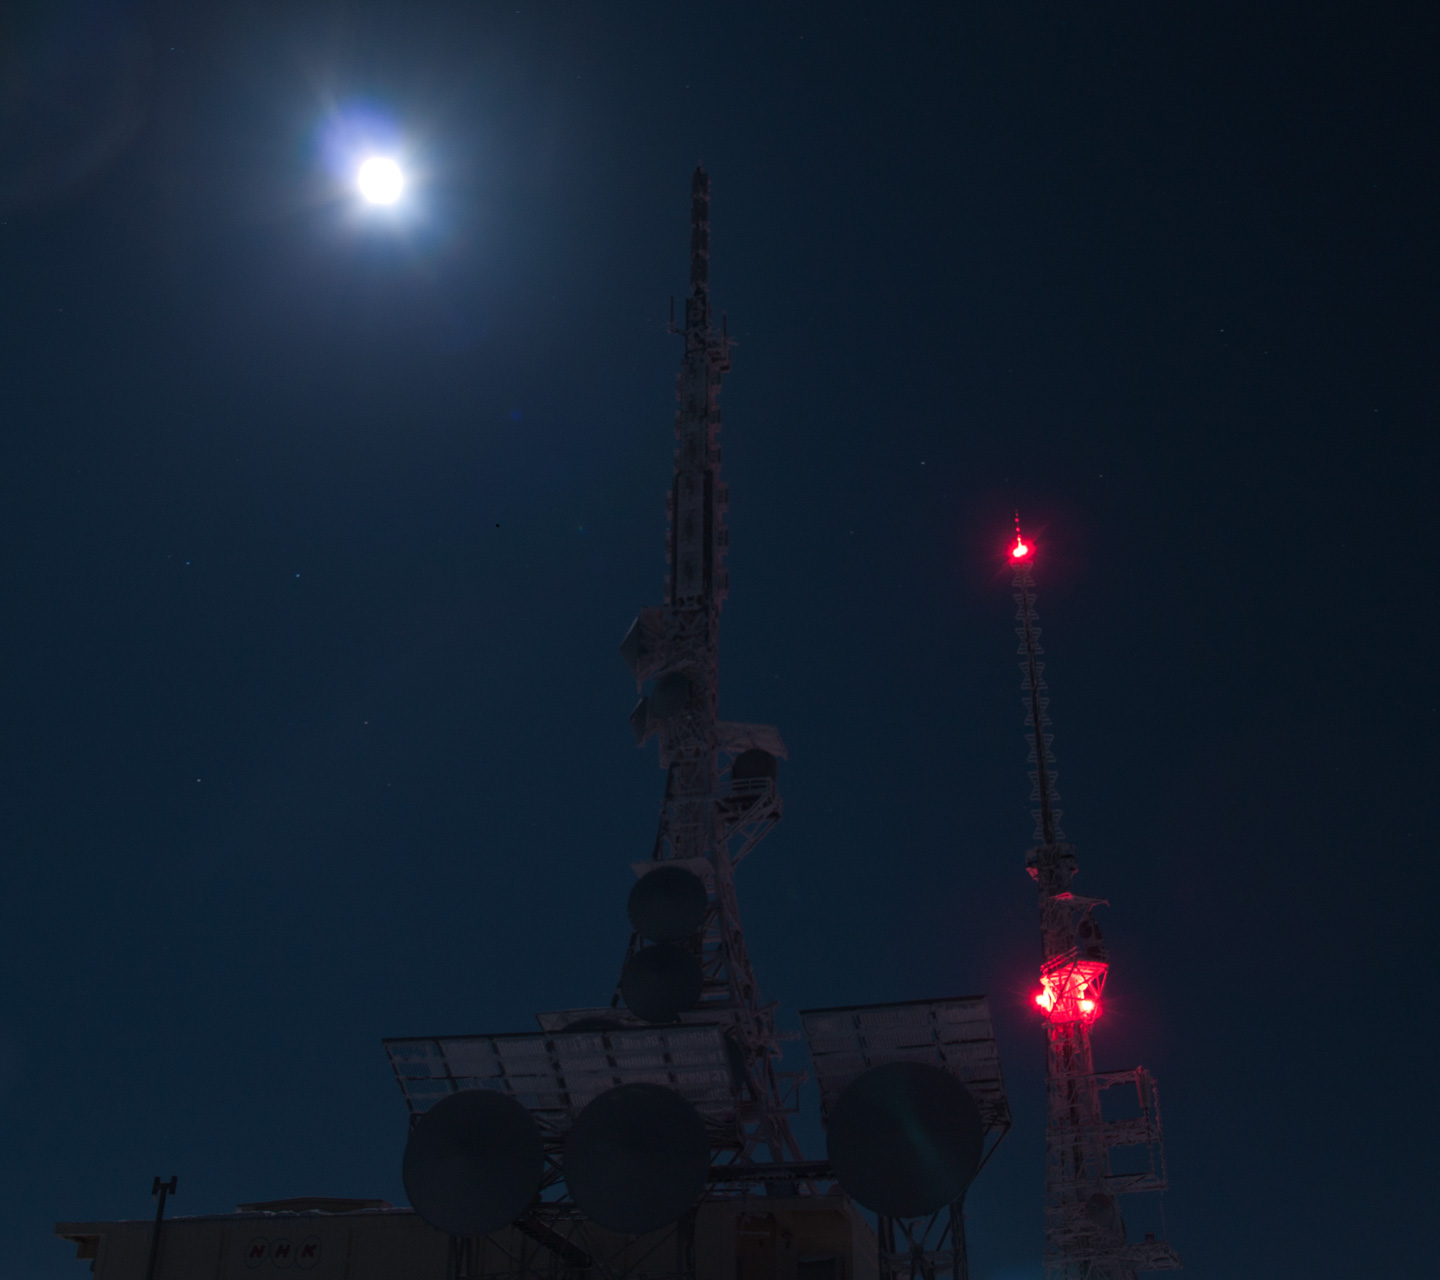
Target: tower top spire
(699,232)
(1035,696)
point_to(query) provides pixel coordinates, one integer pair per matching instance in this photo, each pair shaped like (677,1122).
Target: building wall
(367,1245)
(770,1238)
(745,1238)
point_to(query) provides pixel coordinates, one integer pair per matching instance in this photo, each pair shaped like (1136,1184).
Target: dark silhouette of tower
(720,787)
(1087,1124)
(650,1136)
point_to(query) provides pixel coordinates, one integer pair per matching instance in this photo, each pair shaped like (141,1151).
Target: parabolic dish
(752,764)
(667,904)
(636,1158)
(473,1162)
(671,695)
(659,983)
(905,1139)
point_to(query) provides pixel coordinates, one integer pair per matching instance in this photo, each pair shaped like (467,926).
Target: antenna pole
(1035,690)
(1084,1229)
(161,1190)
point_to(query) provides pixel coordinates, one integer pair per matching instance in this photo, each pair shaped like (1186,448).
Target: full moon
(380,180)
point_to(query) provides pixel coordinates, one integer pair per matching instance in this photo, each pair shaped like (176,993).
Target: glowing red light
(1020,550)
(1070,989)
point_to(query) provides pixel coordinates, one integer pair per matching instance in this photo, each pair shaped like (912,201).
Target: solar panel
(563,1018)
(554,1074)
(596,1018)
(955,1034)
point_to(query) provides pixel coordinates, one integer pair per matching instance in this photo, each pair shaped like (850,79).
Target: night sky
(320,528)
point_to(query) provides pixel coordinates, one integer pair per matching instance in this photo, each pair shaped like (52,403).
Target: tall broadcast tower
(1099,1145)
(720,790)
(649,1137)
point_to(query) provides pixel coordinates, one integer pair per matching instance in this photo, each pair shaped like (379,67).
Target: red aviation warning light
(1080,1240)
(1021,549)
(1070,989)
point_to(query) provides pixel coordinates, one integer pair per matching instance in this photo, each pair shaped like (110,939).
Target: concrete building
(733,1238)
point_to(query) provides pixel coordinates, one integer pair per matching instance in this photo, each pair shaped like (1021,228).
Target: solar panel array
(554,1074)
(559,1019)
(955,1034)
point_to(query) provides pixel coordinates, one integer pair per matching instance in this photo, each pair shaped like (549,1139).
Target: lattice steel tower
(721,797)
(1099,1146)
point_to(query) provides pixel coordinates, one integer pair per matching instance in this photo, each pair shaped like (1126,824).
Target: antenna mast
(1085,1233)
(720,790)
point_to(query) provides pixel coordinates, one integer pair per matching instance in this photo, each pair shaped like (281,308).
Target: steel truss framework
(1085,1237)
(924,1248)
(722,1054)
(709,820)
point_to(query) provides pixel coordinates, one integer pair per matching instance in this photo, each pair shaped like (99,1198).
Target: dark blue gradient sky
(318,536)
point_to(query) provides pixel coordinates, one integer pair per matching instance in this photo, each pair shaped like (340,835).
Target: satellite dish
(636,1158)
(667,904)
(671,695)
(473,1162)
(754,763)
(905,1139)
(661,982)
(1104,1211)
(1089,936)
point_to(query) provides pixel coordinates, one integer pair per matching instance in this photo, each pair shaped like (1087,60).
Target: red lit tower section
(1103,1137)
